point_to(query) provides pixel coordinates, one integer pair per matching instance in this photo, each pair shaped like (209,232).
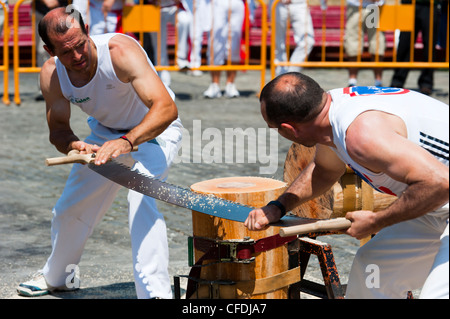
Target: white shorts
(404,257)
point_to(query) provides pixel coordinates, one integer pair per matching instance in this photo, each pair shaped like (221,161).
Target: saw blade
(172,194)
(182,197)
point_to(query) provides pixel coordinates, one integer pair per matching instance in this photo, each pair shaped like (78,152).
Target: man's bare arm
(130,64)
(58,113)
(315,179)
(386,149)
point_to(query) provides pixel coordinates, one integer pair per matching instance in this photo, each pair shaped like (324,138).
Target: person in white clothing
(2,15)
(397,141)
(354,35)
(105,16)
(128,105)
(297,12)
(82,7)
(201,23)
(225,44)
(175,12)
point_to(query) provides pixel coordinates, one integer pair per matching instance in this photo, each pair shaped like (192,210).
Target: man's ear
(46,48)
(86,26)
(288,127)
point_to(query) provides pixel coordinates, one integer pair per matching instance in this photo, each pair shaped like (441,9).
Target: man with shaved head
(110,78)
(398,142)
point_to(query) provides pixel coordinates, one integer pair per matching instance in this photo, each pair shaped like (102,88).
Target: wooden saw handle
(72,157)
(322,225)
(75,157)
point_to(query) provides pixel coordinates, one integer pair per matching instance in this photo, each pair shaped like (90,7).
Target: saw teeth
(173,194)
(179,188)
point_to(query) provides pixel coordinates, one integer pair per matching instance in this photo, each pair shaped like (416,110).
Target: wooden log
(348,194)
(252,191)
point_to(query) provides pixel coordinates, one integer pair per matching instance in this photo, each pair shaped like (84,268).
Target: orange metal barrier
(136,19)
(17,68)
(392,17)
(5,66)
(132,22)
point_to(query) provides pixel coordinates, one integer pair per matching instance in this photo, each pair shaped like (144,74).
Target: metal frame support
(301,251)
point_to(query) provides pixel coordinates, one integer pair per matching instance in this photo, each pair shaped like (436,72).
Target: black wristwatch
(279,205)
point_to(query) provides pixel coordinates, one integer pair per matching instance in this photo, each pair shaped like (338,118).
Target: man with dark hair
(60,26)
(111,79)
(398,142)
(282,107)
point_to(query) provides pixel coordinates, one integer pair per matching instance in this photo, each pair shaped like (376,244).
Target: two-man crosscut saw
(204,203)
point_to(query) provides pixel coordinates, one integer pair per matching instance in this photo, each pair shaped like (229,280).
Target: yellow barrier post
(273,39)
(17,68)
(143,18)
(5,66)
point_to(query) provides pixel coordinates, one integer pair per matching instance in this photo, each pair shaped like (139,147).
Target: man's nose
(76,55)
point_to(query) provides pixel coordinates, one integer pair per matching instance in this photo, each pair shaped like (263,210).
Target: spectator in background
(82,7)
(201,22)
(354,40)
(421,23)
(42,7)
(175,12)
(2,15)
(227,21)
(105,16)
(442,29)
(298,13)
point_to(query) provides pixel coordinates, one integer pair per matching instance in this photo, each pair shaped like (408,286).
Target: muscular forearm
(418,199)
(311,183)
(152,125)
(63,140)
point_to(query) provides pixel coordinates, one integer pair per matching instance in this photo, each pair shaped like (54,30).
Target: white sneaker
(183,64)
(195,73)
(213,91)
(231,91)
(38,286)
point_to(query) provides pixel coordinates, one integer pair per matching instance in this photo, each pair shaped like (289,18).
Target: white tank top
(110,101)
(426,120)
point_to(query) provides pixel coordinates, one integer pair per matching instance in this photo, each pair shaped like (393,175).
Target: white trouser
(201,13)
(100,25)
(87,197)
(301,21)
(183,22)
(404,257)
(228,18)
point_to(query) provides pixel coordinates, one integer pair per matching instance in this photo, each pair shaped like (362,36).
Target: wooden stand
(255,192)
